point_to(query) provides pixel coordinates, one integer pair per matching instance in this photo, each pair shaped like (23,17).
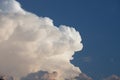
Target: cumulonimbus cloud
(29,43)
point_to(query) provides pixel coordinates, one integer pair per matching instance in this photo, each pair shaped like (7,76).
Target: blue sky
(98,22)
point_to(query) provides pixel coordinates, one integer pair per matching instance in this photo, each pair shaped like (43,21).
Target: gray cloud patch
(41,75)
(44,75)
(83,76)
(113,77)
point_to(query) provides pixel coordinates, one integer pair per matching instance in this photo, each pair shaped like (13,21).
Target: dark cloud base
(44,75)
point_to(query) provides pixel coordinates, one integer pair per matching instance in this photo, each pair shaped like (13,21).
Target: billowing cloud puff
(10,6)
(29,43)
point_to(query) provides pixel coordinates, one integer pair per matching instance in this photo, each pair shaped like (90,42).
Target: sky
(98,22)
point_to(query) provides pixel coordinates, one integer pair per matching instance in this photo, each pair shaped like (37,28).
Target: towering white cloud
(29,43)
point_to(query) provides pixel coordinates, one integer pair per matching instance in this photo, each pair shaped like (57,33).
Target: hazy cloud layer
(44,75)
(41,75)
(29,43)
(113,77)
